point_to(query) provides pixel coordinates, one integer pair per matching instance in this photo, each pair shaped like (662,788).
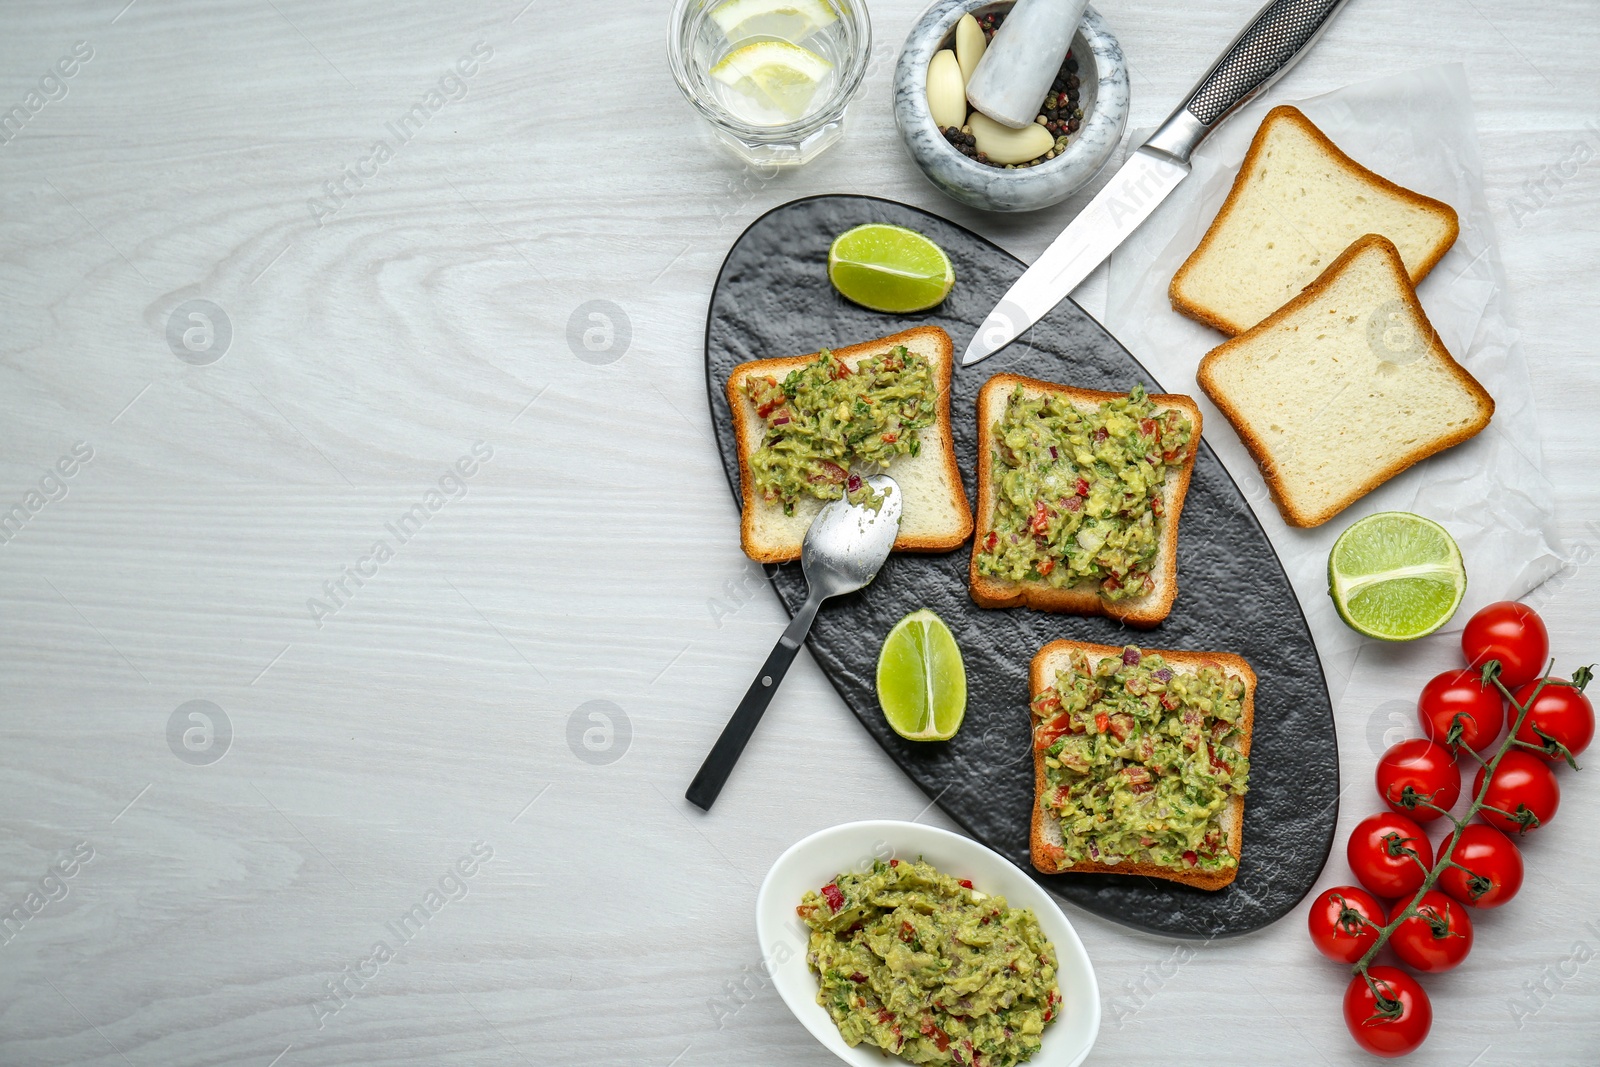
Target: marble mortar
(1103,96)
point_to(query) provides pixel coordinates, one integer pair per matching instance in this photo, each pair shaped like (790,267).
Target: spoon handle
(725,753)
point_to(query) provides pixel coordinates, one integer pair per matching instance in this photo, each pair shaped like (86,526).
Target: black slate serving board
(773,298)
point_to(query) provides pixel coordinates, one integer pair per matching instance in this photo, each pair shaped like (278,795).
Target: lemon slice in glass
(787,20)
(1396,576)
(777,74)
(922,683)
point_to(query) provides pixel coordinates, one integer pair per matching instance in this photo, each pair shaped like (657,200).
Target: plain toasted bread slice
(1297,202)
(1045,841)
(1084,599)
(1344,387)
(935,515)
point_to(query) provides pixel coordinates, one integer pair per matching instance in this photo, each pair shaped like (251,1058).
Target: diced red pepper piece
(965,883)
(1190,858)
(1102,722)
(990,541)
(835,898)
(894,863)
(1046,567)
(890,438)
(831,472)
(771,396)
(1082,488)
(1039,522)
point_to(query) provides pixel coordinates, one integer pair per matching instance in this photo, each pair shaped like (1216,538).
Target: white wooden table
(401,733)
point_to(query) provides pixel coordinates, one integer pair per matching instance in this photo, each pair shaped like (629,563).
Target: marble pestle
(1020,63)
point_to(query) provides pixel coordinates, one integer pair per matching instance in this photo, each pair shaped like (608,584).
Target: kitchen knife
(1278,36)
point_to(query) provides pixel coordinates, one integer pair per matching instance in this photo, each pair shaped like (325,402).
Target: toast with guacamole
(1141,761)
(812,428)
(1079,495)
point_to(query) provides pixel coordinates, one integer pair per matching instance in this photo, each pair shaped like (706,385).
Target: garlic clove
(947,90)
(970,44)
(1002,144)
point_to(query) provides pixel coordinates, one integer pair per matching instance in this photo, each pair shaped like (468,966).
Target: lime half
(889,268)
(787,20)
(922,683)
(1396,576)
(777,74)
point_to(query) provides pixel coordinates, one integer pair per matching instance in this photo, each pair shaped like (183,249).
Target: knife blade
(1275,39)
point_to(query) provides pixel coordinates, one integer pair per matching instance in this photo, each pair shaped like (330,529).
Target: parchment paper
(1491,493)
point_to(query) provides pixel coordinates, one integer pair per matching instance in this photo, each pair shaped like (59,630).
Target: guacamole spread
(826,417)
(1142,762)
(927,967)
(1079,493)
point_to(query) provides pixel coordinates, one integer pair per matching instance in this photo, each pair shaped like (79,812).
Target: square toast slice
(1083,599)
(935,515)
(1296,203)
(1344,387)
(1045,840)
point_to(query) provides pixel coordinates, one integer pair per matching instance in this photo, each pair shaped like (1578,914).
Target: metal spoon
(842,551)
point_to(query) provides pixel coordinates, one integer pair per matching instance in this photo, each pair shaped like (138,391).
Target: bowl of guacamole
(895,940)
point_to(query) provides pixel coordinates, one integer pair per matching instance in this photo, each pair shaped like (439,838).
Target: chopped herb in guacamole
(1079,493)
(826,417)
(929,968)
(1141,761)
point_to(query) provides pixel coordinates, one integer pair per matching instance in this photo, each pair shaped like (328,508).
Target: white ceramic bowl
(811,863)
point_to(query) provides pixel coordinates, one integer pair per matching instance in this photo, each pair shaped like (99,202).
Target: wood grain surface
(472,753)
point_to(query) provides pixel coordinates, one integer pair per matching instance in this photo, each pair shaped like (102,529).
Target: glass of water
(772,77)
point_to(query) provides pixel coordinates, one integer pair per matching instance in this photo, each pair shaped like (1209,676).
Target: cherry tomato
(1511,633)
(1392,1021)
(1461,697)
(1384,852)
(1523,787)
(1561,713)
(1337,929)
(1437,938)
(1493,868)
(1427,770)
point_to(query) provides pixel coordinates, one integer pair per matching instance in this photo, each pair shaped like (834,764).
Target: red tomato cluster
(1386,1009)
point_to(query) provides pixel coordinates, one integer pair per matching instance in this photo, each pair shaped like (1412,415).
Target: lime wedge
(787,20)
(1396,576)
(922,683)
(775,73)
(889,268)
